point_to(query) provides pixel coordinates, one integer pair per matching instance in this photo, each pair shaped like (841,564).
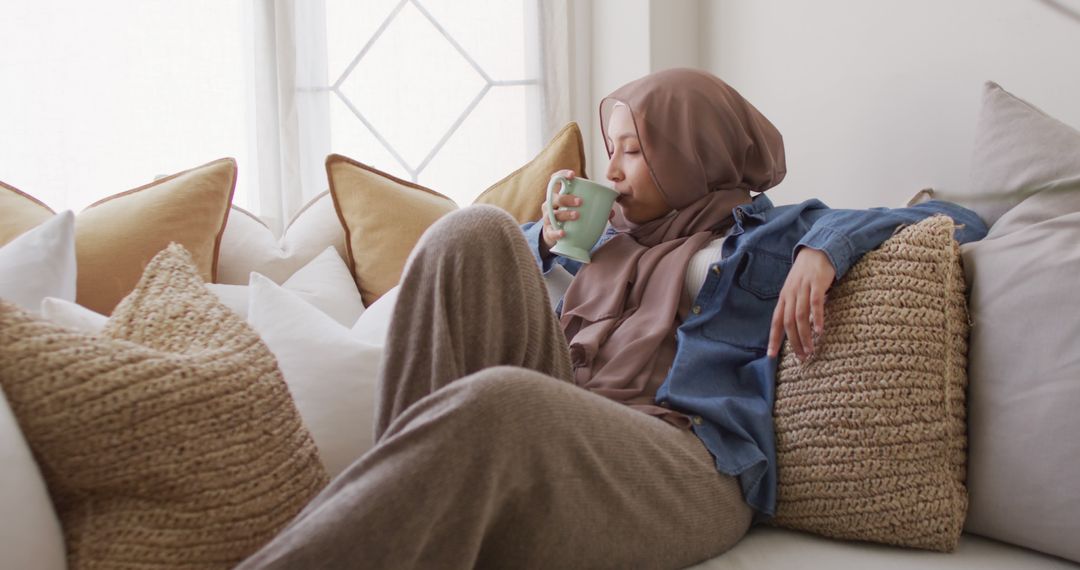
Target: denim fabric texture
(721,375)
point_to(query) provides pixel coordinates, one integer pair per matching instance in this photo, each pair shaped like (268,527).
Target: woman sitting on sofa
(634,428)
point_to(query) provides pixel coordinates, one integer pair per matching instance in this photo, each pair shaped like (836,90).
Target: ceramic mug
(582,233)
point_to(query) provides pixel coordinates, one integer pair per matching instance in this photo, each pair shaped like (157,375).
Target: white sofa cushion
(40,263)
(72,315)
(30,533)
(324,282)
(330,374)
(1024,361)
(248,245)
(768,548)
(1017,147)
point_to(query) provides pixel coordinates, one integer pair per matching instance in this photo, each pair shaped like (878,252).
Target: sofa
(323,309)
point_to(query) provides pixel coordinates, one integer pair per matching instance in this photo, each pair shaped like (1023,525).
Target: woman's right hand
(551,234)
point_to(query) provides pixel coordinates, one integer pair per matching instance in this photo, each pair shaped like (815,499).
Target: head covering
(707,148)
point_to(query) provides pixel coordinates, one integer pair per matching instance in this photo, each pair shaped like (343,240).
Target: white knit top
(699,265)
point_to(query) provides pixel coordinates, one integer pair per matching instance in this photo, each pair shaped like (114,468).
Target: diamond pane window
(441,92)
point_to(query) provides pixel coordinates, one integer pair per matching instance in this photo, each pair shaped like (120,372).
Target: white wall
(631,38)
(878,99)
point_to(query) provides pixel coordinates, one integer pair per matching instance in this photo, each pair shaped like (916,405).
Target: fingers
(802,321)
(561,213)
(791,327)
(817,308)
(776,330)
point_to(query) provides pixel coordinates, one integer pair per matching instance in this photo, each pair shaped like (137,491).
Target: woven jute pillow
(870,433)
(170,440)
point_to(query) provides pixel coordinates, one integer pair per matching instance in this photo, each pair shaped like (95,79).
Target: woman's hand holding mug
(551,234)
(575,216)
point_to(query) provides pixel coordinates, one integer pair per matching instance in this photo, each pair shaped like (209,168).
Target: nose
(614,173)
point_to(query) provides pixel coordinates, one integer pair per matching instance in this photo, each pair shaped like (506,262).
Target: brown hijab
(707,148)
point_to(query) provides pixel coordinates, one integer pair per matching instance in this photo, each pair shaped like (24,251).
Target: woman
(633,429)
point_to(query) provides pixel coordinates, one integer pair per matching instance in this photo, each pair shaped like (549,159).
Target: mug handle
(551,205)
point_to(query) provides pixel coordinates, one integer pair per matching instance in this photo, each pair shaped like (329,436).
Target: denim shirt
(721,376)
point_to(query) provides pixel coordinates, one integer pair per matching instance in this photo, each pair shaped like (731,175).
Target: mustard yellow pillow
(384,216)
(19,212)
(169,440)
(870,434)
(117,236)
(522,191)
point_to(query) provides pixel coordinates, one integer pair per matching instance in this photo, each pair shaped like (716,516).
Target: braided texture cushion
(170,440)
(871,441)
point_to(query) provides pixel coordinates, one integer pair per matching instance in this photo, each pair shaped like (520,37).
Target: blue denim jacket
(721,376)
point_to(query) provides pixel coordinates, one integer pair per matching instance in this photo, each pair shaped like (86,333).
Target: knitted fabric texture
(170,440)
(871,441)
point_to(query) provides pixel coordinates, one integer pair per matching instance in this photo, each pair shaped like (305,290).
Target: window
(104,96)
(440,92)
(99,97)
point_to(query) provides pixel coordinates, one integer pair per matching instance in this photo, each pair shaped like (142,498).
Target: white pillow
(248,245)
(373,325)
(330,374)
(72,315)
(40,263)
(325,282)
(30,532)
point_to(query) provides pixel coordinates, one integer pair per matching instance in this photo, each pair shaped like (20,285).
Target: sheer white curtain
(453,94)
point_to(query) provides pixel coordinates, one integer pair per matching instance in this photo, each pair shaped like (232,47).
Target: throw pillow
(30,535)
(40,263)
(20,212)
(72,315)
(522,191)
(249,246)
(330,374)
(169,439)
(117,236)
(1025,377)
(385,216)
(870,432)
(325,282)
(373,326)
(1018,148)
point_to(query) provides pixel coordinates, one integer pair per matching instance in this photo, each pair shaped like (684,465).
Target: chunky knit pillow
(170,440)
(870,433)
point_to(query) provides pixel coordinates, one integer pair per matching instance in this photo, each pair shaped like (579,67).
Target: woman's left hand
(801,308)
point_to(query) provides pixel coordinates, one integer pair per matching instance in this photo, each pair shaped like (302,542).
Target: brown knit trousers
(487,456)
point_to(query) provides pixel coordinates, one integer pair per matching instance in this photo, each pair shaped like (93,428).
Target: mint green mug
(582,233)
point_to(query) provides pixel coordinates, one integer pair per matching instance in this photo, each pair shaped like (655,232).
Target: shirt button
(665,405)
(696,309)
(716,269)
(697,420)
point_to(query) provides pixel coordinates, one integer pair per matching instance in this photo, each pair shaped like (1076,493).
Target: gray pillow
(1024,355)
(1018,148)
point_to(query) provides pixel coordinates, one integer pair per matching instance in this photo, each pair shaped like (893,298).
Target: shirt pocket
(743,317)
(764,273)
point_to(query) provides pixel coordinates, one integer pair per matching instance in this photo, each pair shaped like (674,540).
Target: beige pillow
(19,212)
(1017,148)
(870,432)
(522,191)
(1025,356)
(170,439)
(385,216)
(117,236)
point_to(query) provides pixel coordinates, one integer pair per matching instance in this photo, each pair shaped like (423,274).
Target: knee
(470,227)
(515,401)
